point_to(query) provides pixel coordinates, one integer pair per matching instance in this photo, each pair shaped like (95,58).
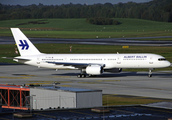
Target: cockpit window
(161,59)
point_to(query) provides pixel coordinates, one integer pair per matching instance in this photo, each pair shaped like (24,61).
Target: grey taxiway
(124,83)
(139,41)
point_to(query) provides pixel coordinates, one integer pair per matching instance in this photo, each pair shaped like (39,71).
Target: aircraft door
(118,60)
(65,59)
(151,60)
(38,60)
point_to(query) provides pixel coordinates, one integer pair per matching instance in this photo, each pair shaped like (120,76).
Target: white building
(46,97)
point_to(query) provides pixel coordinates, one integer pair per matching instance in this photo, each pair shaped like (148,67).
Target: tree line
(157,10)
(102,21)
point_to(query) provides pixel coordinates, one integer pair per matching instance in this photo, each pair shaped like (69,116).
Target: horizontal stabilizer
(16,58)
(7,57)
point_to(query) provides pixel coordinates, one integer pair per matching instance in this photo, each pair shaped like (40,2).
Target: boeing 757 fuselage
(91,64)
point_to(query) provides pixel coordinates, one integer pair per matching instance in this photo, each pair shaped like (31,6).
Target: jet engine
(94,70)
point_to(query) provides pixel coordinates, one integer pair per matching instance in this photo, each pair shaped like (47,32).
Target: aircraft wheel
(83,75)
(150,75)
(79,75)
(90,75)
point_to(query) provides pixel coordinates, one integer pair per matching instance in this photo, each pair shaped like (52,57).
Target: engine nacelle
(114,70)
(94,70)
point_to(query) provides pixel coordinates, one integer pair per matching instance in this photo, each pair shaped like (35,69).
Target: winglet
(24,45)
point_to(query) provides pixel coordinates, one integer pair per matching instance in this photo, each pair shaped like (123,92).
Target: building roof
(52,87)
(48,87)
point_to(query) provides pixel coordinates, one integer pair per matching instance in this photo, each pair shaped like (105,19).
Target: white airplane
(91,64)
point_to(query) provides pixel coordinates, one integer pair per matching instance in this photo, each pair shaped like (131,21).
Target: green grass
(78,28)
(110,100)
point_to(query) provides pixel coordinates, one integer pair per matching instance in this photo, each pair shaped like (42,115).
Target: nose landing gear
(150,73)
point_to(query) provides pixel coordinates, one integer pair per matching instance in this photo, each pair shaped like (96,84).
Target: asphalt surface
(116,113)
(109,41)
(124,83)
(120,84)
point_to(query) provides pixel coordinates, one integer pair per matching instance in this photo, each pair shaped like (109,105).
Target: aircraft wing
(21,59)
(76,65)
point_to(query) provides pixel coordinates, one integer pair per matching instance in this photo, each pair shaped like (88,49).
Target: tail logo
(24,44)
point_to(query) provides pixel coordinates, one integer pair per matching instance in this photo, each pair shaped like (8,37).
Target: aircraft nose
(168,64)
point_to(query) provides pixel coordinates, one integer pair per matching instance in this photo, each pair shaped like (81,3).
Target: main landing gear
(83,74)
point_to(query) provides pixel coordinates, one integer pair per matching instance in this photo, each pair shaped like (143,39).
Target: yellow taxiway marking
(89,82)
(99,81)
(28,75)
(64,85)
(59,76)
(46,81)
(14,77)
(37,83)
(108,80)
